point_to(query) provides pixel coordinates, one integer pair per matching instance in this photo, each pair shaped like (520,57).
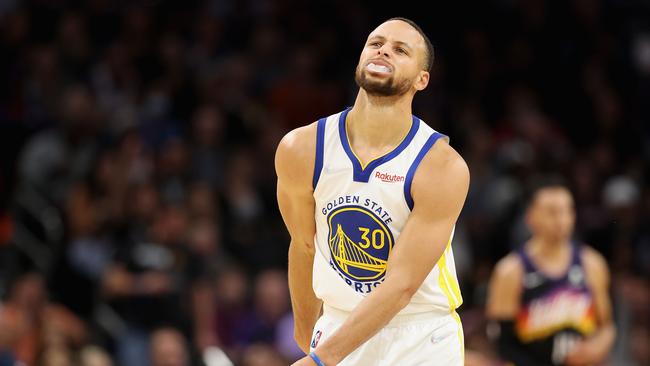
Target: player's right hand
(584,353)
(305,361)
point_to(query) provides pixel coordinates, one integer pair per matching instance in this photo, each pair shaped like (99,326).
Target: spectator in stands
(151,282)
(168,347)
(54,159)
(94,356)
(270,305)
(32,325)
(261,354)
(231,292)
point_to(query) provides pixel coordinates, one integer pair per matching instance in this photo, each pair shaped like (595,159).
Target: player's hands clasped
(305,361)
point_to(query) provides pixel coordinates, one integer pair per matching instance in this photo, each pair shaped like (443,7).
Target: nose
(383,50)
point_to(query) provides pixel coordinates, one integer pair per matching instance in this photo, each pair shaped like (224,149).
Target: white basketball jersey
(360,212)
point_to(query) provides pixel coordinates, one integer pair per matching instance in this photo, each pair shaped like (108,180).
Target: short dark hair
(551,181)
(428,61)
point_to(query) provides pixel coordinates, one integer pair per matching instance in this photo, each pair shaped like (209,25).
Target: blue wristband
(316,359)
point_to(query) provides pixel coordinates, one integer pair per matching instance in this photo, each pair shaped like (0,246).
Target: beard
(381,88)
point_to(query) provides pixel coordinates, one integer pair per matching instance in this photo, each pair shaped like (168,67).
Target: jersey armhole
(411,172)
(320,146)
(526,263)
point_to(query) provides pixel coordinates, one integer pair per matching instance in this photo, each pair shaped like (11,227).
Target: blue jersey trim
(360,173)
(320,146)
(411,172)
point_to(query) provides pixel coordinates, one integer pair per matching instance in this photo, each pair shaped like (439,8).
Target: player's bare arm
(439,190)
(504,291)
(596,348)
(294,164)
(503,304)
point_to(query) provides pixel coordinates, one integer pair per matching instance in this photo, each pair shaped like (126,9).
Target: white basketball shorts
(425,339)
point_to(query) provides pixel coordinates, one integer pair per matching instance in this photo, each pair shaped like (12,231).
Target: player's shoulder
(299,139)
(509,266)
(295,154)
(595,263)
(592,255)
(442,159)
(441,175)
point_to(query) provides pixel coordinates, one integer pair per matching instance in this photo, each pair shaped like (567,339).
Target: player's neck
(550,249)
(379,120)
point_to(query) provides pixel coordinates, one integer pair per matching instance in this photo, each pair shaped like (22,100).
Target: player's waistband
(399,319)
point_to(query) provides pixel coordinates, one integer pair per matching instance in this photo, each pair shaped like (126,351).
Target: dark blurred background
(138,219)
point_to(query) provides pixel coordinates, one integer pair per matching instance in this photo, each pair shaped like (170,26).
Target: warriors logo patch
(359,243)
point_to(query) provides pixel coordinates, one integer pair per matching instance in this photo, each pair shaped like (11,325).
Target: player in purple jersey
(549,302)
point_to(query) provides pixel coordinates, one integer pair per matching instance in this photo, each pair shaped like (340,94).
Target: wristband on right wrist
(315,358)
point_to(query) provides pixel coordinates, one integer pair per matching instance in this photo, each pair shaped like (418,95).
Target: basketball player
(370,196)
(550,298)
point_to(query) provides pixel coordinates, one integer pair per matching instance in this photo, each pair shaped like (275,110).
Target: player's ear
(422,80)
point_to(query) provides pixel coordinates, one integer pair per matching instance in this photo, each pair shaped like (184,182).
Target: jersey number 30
(376,239)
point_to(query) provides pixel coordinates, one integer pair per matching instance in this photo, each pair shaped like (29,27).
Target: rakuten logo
(389,178)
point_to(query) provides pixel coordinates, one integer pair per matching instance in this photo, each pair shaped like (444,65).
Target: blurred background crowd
(138,220)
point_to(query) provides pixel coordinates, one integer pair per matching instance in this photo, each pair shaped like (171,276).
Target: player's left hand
(305,361)
(584,353)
